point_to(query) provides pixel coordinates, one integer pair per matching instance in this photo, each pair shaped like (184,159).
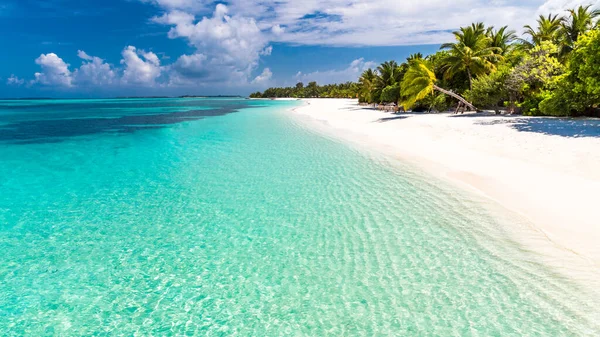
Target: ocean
(230,217)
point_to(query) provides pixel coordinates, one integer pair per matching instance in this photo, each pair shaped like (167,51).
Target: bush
(489,91)
(555,104)
(390,94)
(536,74)
(577,92)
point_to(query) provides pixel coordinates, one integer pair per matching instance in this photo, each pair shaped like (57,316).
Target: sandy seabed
(545,169)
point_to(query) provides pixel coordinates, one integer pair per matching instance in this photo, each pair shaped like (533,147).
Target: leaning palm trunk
(419,82)
(458,97)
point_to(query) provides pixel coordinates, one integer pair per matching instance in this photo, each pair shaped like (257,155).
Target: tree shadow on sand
(564,127)
(389,119)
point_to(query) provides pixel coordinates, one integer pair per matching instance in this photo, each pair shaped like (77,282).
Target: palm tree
(472,53)
(501,38)
(389,73)
(367,83)
(547,30)
(580,20)
(471,36)
(415,56)
(419,81)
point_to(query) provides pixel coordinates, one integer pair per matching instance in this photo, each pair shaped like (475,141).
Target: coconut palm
(389,73)
(420,81)
(580,20)
(472,53)
(367,83)
(415,56)
(472,36)
(501,38)
(547,30)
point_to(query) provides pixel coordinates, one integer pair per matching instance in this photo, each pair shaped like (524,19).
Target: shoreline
(549,180)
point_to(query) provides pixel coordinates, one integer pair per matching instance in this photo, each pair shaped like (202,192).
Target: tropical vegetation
(312,90)
(552,69)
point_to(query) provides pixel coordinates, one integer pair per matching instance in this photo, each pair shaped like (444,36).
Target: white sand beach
(542,169)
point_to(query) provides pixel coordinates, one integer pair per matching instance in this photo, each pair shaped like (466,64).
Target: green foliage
(537,72)
(367,83)
(312,90)
(490,91)
(555,103)
(473,52)
(390,94)
(548,30)
(584,67)
(578,91)
(440,102)
(501,39)
(387,74)
(418,82)
(580,21)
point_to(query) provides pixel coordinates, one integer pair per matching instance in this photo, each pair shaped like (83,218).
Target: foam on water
(247,224)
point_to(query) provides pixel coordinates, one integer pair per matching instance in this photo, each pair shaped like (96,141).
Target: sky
(108,48)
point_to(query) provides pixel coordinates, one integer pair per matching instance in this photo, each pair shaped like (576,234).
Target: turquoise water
(225,217)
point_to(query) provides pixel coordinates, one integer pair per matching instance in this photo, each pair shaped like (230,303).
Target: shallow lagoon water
(226,217)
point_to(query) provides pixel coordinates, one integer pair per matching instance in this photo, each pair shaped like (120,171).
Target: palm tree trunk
(470,79)
(458,97)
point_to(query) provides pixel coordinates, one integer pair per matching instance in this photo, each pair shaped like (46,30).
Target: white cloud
(194,65)
(351,73)
(229,45)
(559,6)
(374,22)
(14,80)
(55,72)
(84,56)
(192,5)
(277,30)
(140,68)
(93,71)
(264,77)
(267,51)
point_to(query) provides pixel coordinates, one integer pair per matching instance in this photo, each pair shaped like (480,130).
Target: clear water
(215,217)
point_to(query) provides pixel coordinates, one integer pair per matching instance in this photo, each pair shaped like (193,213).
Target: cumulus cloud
(84,56)
(350,73)
(93,71)
(374,22)
(14,80)
(55,72)
(559,6)
(277,30)
(140,67)
(264,77)
(229,45)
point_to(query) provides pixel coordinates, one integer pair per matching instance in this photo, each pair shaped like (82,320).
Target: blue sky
(88,48)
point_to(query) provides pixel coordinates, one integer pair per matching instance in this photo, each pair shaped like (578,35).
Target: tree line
(554,69)
(311,90)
